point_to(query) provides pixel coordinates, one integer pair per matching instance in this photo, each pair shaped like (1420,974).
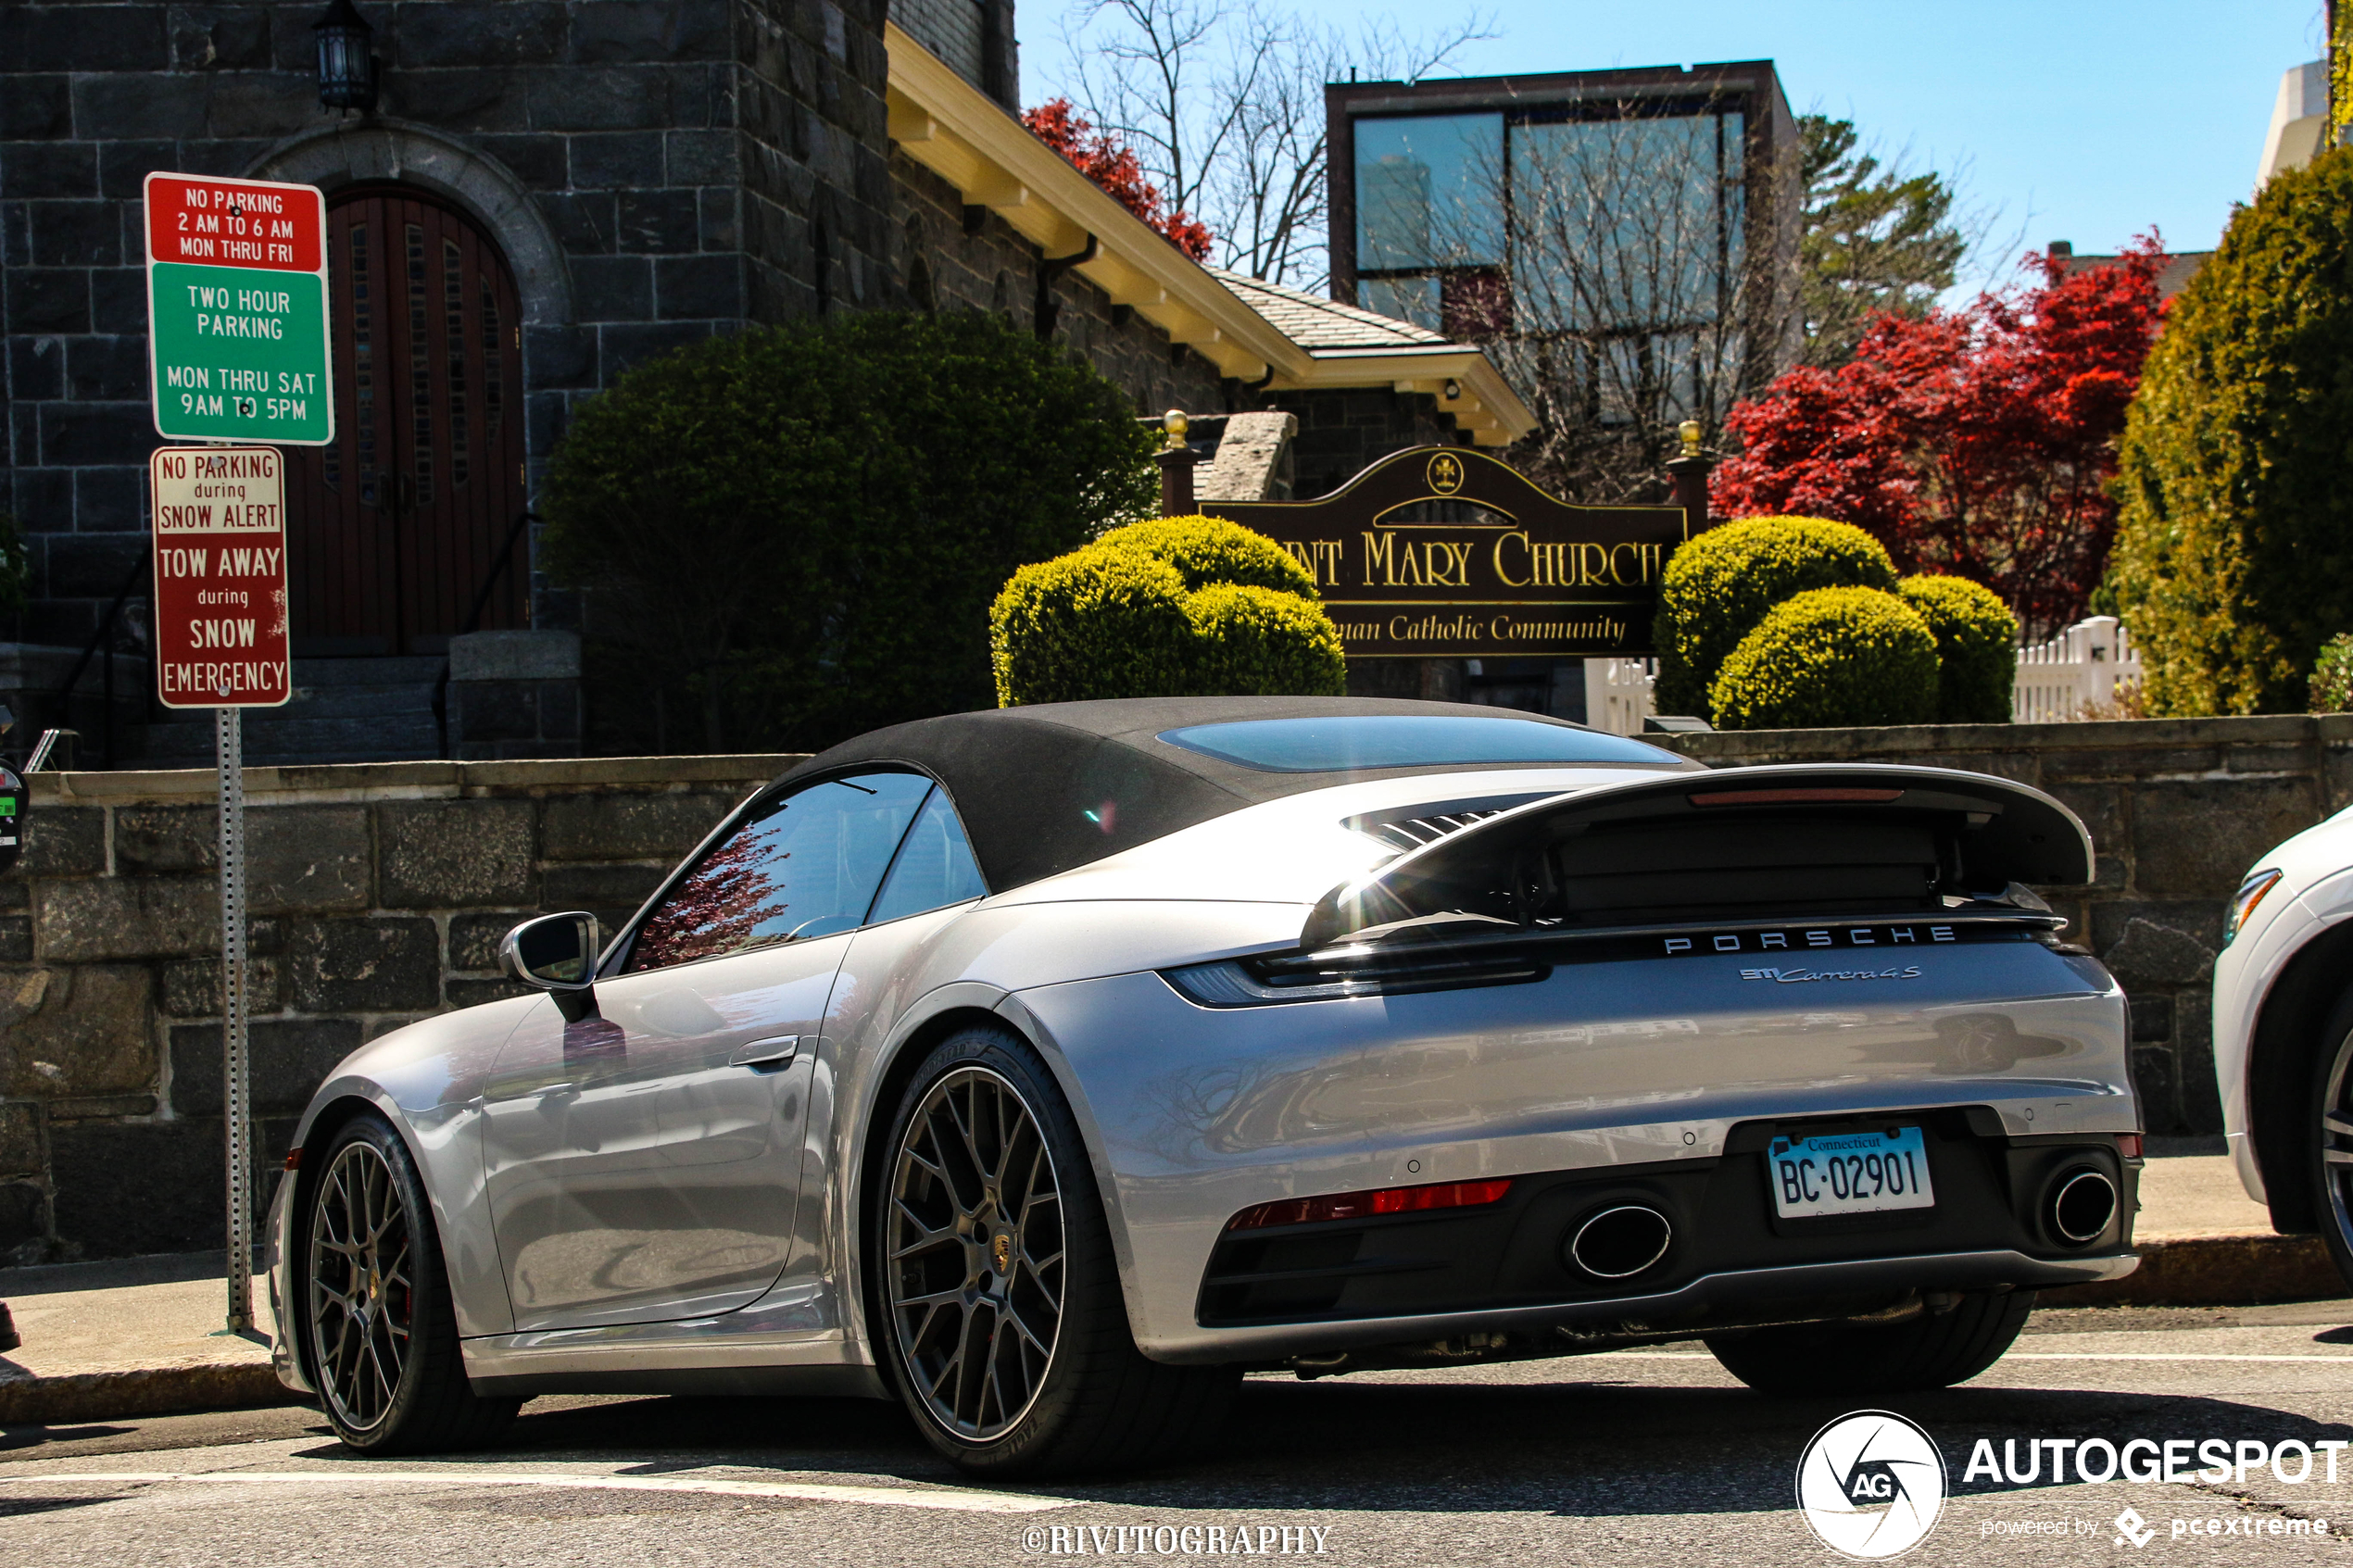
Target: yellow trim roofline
(957,131)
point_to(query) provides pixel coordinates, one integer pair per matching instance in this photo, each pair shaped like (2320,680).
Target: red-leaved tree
(1978,441)
(1113,166)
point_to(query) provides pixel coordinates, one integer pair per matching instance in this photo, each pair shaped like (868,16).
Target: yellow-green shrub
(1717,588)
(1976,647)
(1209,550)
(1829,657)
(1174,606)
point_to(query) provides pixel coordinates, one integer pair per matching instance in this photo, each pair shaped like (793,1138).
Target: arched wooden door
(398,527)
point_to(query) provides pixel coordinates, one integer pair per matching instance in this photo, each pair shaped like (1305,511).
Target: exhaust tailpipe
(2077,1206)
(1619,1243)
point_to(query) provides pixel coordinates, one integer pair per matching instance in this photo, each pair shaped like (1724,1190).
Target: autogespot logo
(1872,1485)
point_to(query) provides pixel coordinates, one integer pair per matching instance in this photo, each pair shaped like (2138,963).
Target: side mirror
(556,953)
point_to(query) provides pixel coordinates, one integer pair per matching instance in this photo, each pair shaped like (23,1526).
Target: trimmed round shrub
(2233,559)
(1976,647)
(2333,676)
(1209,550)
(1830,659)
(1175,607)
(1249,641)
(1719,587)
(1093,623)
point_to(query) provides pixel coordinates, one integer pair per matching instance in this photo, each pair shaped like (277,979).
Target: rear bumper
(1729,1257)
(1735,1297)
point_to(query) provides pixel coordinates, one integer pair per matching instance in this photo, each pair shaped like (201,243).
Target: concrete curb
(2216,1270)
(104,1396)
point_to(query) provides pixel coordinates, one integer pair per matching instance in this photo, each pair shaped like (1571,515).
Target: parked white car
(2283,1033)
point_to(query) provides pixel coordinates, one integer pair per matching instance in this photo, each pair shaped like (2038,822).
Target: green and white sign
(237,311)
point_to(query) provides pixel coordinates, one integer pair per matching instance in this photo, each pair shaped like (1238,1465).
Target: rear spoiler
(2014,832)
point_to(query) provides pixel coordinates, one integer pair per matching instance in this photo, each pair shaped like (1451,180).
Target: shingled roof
(1318,324)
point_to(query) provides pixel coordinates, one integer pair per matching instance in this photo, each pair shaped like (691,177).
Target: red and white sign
(220,577)
(214,222)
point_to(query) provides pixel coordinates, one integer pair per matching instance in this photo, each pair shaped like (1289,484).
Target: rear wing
(1790,839)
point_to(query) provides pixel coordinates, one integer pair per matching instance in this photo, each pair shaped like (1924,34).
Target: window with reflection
(802,866)
(935,868)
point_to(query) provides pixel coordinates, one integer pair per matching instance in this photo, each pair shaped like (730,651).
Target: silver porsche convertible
(1047,1068)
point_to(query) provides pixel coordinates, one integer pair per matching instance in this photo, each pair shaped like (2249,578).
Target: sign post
(237,340)
(221,642)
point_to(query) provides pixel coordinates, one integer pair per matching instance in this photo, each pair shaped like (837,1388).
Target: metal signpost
(238,346)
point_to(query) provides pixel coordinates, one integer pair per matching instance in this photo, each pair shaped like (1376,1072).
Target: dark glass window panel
(1427,191)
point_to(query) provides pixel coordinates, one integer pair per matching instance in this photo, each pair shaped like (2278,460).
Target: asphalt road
(1654,1457)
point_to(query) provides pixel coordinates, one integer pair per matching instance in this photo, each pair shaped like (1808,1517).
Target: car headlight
(2243,902)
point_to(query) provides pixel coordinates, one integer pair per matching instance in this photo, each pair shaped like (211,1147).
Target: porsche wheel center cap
(1000,1253)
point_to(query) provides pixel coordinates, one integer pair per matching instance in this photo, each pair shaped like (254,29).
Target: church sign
(1443,552)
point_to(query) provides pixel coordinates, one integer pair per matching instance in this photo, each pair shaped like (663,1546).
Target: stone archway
(396,152)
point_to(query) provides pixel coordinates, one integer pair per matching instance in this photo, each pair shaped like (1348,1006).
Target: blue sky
(2078,120)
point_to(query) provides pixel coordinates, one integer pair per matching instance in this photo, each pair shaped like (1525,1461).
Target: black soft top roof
(1047,788)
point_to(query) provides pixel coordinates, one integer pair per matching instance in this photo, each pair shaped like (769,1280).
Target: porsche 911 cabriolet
(1047,1068)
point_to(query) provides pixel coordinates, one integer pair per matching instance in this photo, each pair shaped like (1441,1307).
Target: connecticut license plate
(1861,1173)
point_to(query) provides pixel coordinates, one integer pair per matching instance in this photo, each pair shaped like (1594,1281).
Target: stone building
(545,192)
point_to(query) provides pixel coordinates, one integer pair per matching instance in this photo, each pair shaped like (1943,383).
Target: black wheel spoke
(972,1251)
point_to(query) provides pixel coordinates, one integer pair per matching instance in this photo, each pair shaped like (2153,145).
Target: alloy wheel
(362,1286)
(2336,1141)
(975,1269)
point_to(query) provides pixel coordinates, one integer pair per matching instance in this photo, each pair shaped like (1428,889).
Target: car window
(935,866)
(804,865)
(1397,740)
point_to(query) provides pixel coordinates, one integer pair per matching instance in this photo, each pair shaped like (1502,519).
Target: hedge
(1976,647)
(1829,657)
(1174,606)
(1720,587)
(798,530)
(2233,561)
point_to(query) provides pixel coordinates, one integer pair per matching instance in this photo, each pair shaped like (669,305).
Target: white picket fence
(2078,671)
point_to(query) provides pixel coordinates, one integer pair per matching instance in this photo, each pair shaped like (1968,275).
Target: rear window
(1398,740)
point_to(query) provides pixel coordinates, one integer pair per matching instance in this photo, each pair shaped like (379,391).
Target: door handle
(766,1056)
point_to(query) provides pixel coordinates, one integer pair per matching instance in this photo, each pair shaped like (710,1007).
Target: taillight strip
(1364,1205)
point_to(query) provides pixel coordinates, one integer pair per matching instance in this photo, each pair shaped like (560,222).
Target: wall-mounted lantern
(346,64)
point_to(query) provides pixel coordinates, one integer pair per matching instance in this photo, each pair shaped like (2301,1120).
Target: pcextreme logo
(1872,1485)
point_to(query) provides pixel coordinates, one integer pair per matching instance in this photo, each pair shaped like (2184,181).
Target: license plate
(1861,1173)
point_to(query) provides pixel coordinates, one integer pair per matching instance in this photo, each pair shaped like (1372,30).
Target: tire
(374,1301)
(1933,1351)
(2328,1138)
(994,1296)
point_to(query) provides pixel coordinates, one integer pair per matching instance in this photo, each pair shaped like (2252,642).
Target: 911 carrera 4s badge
(1798,977)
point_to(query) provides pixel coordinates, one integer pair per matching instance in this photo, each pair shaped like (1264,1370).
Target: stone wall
(2179,811)
(379,893)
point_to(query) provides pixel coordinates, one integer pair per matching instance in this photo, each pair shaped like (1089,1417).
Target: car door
(643,1161)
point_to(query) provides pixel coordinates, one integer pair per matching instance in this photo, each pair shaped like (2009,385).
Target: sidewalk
(132,1336)
(141,1336)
